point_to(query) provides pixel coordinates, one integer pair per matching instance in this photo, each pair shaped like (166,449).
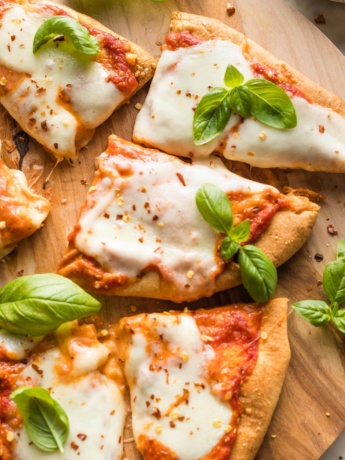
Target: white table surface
(334,27)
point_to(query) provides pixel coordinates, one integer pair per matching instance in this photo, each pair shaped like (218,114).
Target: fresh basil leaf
(63,25)
(45,421)
(241,100)
(270,104)
(341,249)
(211,115)
(39,304)
(334,281)
(339,319)
(241,232)
(228,248)
(214,206)
(259,275)
(317,312)
(233,77)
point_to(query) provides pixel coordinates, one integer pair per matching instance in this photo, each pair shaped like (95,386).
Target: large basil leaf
(270,104)
(45,421)
(259,275)
(214,206)
(334,281)
(39,304)
(317,312)
(211,115)
(233,77)
(63,25)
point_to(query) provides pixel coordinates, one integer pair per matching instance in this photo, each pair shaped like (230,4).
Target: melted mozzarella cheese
(16,347)
(93,403)
(50,72)
(179,391)
(185,75)
(148,217)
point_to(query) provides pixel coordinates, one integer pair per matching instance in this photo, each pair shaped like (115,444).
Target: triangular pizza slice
(194,59)
(204,383)
(140,232)
(59,94)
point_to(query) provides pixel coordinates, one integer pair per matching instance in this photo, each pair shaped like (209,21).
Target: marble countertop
(329,17)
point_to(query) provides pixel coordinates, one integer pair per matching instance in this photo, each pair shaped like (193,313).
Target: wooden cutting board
(311,411)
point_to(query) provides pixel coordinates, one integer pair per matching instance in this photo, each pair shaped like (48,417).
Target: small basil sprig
(258,97)
(318,312)
(39,304)
(68,27)
(45,421)
(259,275)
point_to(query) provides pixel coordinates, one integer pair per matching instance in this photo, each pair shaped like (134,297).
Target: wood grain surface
(311,410)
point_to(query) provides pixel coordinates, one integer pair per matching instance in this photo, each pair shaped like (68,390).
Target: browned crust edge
(260,393)
(209,29)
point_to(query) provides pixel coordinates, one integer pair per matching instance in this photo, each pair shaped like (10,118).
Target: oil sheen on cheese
(142,213)
(92,401)
(184,76)
(192,420)
(48,73)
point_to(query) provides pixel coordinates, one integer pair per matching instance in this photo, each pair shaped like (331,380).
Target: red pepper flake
(320,19)
(82,436)
(74,445)
(84,181)
(56,145)
(181,178)
(230,9)
(172,424)
(157,413)
(148,403)
(112,412)
(119,216)
(13,37)
(40,91)
(155,217)
(319,283)
(37,369)
(20,273)
(318,257)
(178,92)
(44,125)
(106,215)
(331,230)
(309,288)
(321,129)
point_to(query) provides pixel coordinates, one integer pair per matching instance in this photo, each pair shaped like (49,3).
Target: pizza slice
(60,95)
(204,383)
(140,233)
(194,60)
(78,367)
(22,211)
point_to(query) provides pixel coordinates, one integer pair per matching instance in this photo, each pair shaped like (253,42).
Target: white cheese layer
(93,403)
(184,76)
(148,217)
(16,347)
(191,419)
(50,71)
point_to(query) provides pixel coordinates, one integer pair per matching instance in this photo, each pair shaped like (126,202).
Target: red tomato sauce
(184,39)
(259,209)
(263,71)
